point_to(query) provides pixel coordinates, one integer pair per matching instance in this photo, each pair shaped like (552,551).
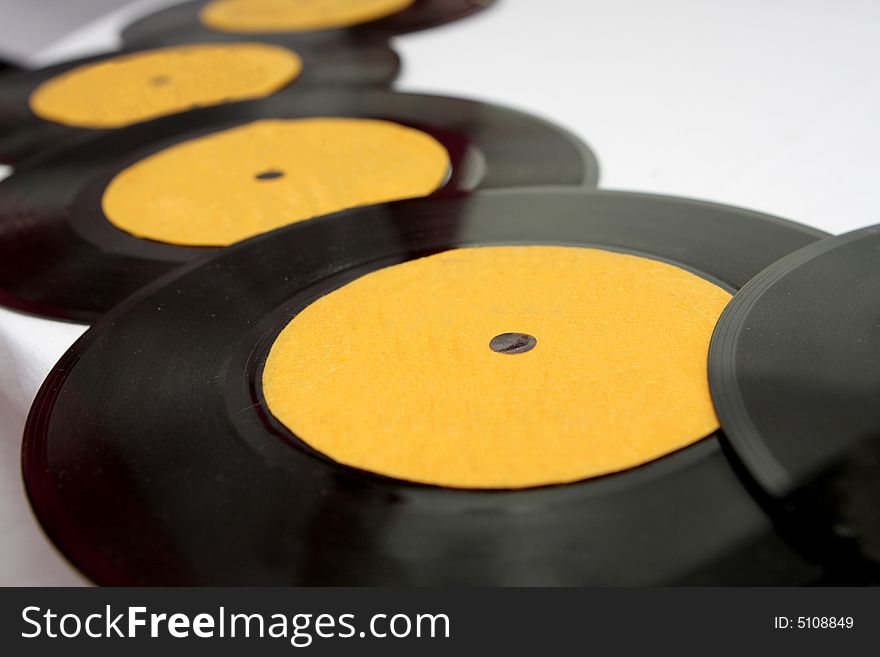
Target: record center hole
(512,343)
(271,174)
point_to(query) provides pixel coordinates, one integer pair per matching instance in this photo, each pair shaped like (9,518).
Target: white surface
(99,35)
(21,35)
(28,349)
(766,104)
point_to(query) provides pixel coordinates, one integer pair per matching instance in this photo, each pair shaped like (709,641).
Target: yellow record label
(410,371)
(233,184)
(256,16)
(127,89)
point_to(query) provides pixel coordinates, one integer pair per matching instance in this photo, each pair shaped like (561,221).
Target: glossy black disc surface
(8,67)
(795,376)
(181,24)
(359,62)
(60,256)
(150,456)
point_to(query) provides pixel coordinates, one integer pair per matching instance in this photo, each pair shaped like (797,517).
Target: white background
(772,105)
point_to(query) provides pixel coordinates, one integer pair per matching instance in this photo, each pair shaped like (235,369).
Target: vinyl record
(290,22)
(7,67)
(61,256)
(795,370)
(152,456)
(39,108)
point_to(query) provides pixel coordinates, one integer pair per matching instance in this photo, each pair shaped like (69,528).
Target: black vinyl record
(61,257)
(7,67)
(795,374)
(150,456)
(181,24)
(22,133)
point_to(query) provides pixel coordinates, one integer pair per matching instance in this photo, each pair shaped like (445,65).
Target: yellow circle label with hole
(127,89)
(237,183)
(256,16)
(394,372)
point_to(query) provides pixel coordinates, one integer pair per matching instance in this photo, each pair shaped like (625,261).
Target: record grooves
(360,62)
(182,24)
(60,256)
(794,377)
(171,470)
